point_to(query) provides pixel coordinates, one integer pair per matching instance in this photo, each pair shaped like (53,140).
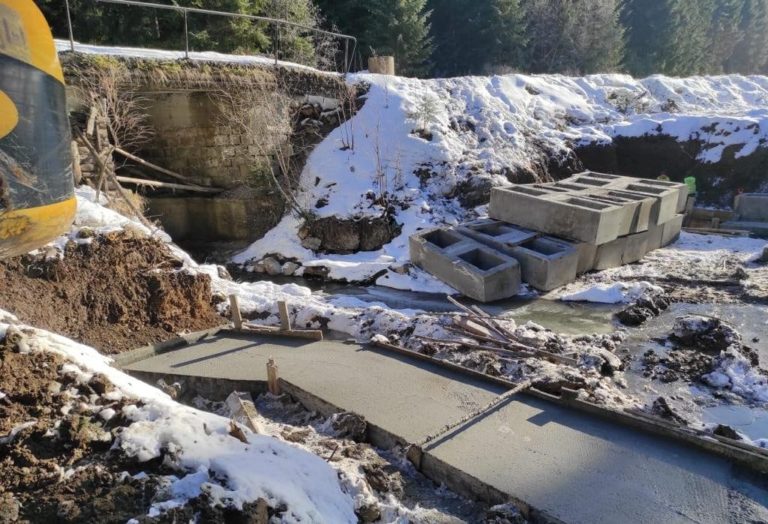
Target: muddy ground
(114,292)
(56,458)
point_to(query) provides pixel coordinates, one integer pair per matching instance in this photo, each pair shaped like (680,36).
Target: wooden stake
(285,320)
(234,307)
(272,383)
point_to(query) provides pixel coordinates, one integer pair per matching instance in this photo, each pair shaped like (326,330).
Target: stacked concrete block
(564,215)
(476,270)
(546,262)
(550,233)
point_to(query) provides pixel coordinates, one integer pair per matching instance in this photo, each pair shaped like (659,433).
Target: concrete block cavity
(572,217)
(498,235)
(475,270)
(547,263)
(667,200)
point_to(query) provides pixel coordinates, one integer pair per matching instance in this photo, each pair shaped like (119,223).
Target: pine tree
(501,42)
(573,36)
(667,36)
(401,28)
(750,54)
(725,33)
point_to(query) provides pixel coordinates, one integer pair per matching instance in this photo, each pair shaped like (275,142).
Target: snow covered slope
(418,150)
(231,471)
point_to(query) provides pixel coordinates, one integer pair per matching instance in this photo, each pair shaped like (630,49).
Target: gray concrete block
(493,233)
(587,254)
(672,230)
(635,247)
(639,209)
(546,263)
(471,268)
(655,236)
(678,187)
(610,254)
(571,217)
(752,207)
(665,207)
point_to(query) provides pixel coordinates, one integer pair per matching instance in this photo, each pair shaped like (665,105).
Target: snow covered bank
(162,54)
(425,152)
(198,445)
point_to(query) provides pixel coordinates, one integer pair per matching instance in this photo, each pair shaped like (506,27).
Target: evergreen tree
(668,36)
(501,33)
(401,28)
(725,33)
(573,36)
(750,54)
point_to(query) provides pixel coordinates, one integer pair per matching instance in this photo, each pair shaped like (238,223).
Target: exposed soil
(115,293)
(56,461)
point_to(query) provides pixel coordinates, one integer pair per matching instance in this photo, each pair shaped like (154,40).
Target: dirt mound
(115,293)
(58,462)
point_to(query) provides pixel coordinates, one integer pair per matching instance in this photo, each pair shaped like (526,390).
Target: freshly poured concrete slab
(582,469)
(566,463)
(410,400)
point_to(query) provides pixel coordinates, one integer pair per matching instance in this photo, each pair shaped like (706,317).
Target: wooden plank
(272,383)
(150,165)
(234,308)
(285,320)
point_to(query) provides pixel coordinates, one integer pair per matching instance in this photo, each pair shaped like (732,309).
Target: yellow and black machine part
(37,201)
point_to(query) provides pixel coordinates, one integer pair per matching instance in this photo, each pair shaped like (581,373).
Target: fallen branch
(168,185)
(150,165)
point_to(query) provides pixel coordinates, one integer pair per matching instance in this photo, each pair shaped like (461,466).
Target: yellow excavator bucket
(37,201)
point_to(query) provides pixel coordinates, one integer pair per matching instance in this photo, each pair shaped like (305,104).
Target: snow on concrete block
(473,269)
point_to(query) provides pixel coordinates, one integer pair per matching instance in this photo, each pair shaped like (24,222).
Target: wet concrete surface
(568,464)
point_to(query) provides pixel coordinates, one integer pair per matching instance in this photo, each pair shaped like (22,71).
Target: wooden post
(272,384)
(285,320)
(234,307)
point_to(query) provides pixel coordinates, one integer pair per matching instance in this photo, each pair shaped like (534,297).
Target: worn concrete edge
(433,468)
(755,459)
(136,355)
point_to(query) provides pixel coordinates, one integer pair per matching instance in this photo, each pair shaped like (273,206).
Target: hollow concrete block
(496,234)
(546,263)
(638,209)
(475,270)
(655,236)
(671,230)
(635,248)
(680,189)
(571,217)
(610,254)
(665,207)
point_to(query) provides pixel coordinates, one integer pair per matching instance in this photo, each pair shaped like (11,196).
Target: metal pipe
(69,25)
(231,15)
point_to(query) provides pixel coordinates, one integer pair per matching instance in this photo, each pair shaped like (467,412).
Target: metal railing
(277,22)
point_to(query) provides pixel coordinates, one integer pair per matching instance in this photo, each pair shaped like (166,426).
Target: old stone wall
(218,125)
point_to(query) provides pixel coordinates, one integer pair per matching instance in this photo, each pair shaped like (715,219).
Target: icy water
(562,317)
(692,402)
